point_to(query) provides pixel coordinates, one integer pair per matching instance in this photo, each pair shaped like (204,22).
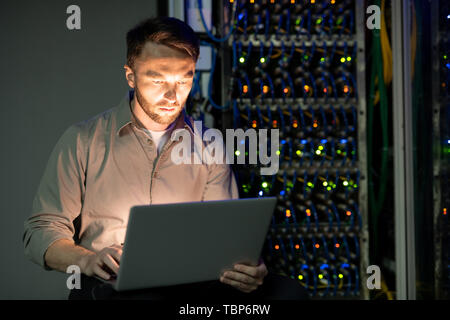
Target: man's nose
(171,94)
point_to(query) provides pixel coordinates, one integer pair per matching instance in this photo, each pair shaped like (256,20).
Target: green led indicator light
(319,21)
(341,275)
(338,152)
(264,184)
(345,183)
(325,183)
(298,152)
(349,59)
(320,147)
(241,59)
(262,60)
(322,59)
(237,152)
(297,22)
(317,152)
(342,59)
(305,57)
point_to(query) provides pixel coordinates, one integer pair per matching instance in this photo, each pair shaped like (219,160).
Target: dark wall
(51,77)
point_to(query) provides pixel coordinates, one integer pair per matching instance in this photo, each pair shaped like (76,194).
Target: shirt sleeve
(58,199)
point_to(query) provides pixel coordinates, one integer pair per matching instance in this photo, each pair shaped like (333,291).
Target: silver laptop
(171,244)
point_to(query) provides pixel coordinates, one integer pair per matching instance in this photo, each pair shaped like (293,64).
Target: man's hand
(97,263)
(245,278)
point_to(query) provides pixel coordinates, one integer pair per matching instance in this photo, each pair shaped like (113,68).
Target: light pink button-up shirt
(102,167)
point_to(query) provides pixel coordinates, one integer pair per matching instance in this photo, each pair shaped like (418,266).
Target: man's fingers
(101,273)
(111,263)
(238,285)
(255,272)
(116,253)
(241,277)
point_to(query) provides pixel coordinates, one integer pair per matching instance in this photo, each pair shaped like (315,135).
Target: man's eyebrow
(151,73)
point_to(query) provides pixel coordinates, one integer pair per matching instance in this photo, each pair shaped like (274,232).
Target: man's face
(162,79)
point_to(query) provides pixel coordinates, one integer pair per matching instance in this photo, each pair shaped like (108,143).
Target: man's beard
(148,109)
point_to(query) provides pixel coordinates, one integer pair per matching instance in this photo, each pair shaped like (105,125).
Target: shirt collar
(126,117)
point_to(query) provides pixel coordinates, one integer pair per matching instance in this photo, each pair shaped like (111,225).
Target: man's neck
(143,118)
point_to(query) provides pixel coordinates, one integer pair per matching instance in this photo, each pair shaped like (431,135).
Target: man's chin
(167,117)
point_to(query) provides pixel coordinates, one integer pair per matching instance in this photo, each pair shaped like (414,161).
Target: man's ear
(129,75)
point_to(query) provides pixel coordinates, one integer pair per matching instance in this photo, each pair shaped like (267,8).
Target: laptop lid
(170,244)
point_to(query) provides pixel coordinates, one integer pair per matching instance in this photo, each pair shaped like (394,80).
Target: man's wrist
(84,259)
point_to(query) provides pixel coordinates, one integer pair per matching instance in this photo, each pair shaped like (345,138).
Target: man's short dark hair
(167,31)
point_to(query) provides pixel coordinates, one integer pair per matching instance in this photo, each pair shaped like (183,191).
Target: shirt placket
(150,151)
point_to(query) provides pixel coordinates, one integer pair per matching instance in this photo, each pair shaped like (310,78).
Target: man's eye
(157,82)
(182,82)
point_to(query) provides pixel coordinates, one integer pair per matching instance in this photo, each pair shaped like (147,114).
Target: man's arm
(59,197)
(63,253)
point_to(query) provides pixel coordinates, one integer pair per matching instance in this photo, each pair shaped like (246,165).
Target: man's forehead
(165,59)
(153,50)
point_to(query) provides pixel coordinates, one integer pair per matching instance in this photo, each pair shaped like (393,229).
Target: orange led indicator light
(277,247)
(308,212)
(297,246)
